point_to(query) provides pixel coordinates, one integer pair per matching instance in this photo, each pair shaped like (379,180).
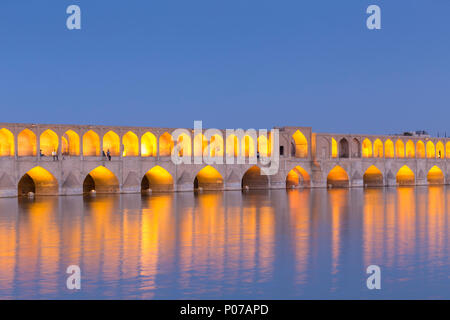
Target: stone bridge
(73,159)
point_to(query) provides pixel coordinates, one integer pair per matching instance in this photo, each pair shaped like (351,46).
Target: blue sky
(234,63)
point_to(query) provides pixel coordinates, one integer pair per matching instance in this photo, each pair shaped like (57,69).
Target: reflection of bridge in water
(141,160)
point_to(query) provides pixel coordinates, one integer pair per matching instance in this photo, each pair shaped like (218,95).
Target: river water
(296,244)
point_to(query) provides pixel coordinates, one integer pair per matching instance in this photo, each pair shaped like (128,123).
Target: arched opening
(157,179)
(70,144)
(367,148)
(373,177)
(343,148)
(130,145)
(184,143)
(410,150)
(431,153)
(356,147)
(91,144)
(111,143)
(253,179)
(378,149)
(405,176)
(232,146)
(26,143)
(39,181)
(389,149)
(165,145)
(216,146)
(102,180)
(248,145)
(440,151)
(49,142)
(435,176)
(420,149)
(301,144)
(208,179)
(338,178)
(447,150)
(200,144)
(6,143)
(263,146)
(334,148)
(148,145)
(297,177)
(399,149)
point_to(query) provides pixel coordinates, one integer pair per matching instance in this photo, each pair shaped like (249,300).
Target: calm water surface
(298,244)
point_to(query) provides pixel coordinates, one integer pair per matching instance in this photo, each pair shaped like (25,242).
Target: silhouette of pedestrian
(109,155)
(103,154)
(40,153)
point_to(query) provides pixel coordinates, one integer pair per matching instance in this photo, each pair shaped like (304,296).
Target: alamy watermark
(237,147)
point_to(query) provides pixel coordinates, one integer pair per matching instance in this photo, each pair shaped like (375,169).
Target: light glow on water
(295,244)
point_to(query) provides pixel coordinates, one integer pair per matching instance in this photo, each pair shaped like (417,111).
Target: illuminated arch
(334,148)
(148,145)
(447,150)
(405,176)
(6,143)
(389,149)
(49,142)
(102,180)
(216,146)
(297,177)
(263,146)
(157,179)
(39,181)
(420,149)
(184,142)
(367,148)
(208,179)
(130,144)
(399,149)
(165,145)
(435,176)
(70,143)
(301,144)
(440,150)
(378,149)
(431,152)
(232,146)
(91,144)
(200,144)
(248,146)
(26,143)
(410,149)
(111,142)
(338,177)
(253,179)
(373,177)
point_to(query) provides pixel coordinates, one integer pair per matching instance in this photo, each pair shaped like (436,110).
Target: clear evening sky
(234,63)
